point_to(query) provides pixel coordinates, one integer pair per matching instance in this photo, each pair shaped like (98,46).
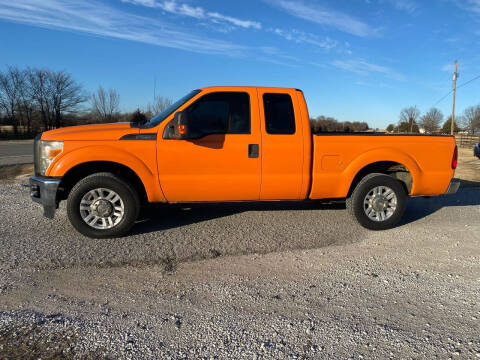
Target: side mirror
(181,125)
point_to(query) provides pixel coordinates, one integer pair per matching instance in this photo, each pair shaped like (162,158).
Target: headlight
(47,152)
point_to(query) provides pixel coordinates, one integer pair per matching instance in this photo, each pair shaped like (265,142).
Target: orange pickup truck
(233,144)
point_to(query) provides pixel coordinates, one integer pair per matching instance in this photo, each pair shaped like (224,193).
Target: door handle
(253,150)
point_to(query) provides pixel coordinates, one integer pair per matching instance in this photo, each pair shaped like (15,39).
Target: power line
(459,86)
(443,98)
(469,81)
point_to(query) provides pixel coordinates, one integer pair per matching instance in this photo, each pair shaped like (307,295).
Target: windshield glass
(170,109)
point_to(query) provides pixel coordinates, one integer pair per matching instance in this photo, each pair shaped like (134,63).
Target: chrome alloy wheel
(380,203)
(102,208)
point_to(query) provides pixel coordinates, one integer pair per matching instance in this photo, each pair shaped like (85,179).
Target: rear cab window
(279,114)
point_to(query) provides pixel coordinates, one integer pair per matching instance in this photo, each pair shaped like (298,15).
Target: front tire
(377,202)
(103,205)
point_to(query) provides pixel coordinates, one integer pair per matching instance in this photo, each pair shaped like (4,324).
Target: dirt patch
(37,340)
(26,343)
(9,172)
(468,166)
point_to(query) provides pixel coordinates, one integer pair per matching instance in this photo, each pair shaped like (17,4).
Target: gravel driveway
(273,281)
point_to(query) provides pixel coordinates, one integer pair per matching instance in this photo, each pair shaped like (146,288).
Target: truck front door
(223,164)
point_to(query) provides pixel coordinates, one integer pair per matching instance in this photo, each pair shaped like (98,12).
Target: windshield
(170,109)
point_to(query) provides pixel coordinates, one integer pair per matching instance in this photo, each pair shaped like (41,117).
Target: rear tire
(377,202)
(103,205)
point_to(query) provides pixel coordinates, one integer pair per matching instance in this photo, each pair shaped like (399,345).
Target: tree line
(31,97)
(322,124)
(34,100)
(411,120)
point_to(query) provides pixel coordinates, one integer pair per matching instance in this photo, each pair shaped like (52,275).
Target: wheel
(103,205)
(377,202)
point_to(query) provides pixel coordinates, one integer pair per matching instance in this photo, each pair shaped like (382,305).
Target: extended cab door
(284,163)
(224,163)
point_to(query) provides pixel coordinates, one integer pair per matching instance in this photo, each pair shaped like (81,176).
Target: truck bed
(338,157)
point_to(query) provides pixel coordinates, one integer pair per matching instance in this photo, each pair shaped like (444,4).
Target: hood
(112,131)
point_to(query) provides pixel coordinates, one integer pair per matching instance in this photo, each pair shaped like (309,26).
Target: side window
(220,113)
(279,115)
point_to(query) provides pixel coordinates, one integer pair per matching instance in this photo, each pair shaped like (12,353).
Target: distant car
(476,150)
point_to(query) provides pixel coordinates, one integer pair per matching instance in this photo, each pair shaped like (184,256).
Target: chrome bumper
(453,187)
(43,190)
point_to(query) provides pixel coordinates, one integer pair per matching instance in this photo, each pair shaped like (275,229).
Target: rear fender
(377,155)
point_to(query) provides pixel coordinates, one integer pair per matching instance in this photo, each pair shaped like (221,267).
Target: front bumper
(43,190)
(453,187)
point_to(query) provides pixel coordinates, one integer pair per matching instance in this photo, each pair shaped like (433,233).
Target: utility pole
(455,76)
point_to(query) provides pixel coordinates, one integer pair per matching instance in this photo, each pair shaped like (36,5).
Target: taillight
(455,158)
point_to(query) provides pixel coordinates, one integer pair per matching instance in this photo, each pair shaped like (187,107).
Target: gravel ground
(468,165)
(247,281)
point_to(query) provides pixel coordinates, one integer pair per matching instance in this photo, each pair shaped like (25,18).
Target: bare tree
(15,100)
(471,118)
(9,98)
(160,103)
(105,104)
(431,120)
(41,92)
(55,94)
(66,97)
(404,127)
(25,103)
(409,115)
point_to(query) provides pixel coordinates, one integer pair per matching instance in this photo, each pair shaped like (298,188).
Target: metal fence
(467,140)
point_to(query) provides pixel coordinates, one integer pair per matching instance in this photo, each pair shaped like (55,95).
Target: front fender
(146,172)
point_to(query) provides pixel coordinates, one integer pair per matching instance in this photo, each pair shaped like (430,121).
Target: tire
(115,219)
(390,211)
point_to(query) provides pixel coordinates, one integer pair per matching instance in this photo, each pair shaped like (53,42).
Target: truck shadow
(417,208)
(164,217)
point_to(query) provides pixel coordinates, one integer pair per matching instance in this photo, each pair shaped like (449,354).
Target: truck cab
(240,144)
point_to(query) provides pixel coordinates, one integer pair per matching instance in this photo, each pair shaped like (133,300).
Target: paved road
(16,152)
